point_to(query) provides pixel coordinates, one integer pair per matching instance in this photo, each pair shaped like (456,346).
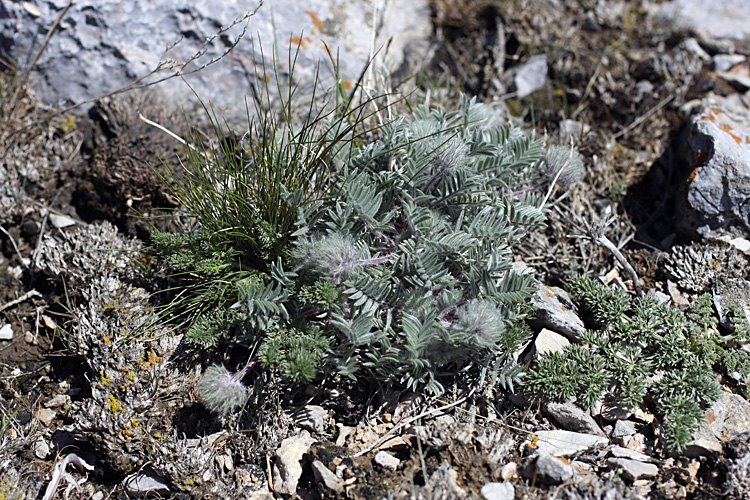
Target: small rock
(661,298)
(61,221)
(741,244)
(731,292)
(633,469)
(703,446)
(6,332)
(623,428)
(344,432)
(41,448)
(323,474)
(387,460)
(728,19)
(509,471)
(287,469)
(724,62)
(549,470)
(678,300)
(146,483)
(726,419)
(46,416)
(561,443)
(58,400)
(573,418)
(555,310)
(498,491)
(530,75)
(548,341)
(311,417)
(717,152)
(620,452)
(225,462)
(692,46)
(637,443)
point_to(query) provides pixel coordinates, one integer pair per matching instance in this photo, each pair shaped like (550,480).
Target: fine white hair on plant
(483,321)
(221,390)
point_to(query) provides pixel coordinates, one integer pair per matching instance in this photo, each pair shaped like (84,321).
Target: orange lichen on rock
(316,21)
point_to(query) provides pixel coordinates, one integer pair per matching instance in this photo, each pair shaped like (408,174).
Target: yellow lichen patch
(346,84)
(105,380)
(129,374)
(107,340)
(149,358)
(67,125)
(113,404)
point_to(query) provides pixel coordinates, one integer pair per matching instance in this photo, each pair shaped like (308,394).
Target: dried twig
(408,421)
(13,242)
(22,298)
(595,233)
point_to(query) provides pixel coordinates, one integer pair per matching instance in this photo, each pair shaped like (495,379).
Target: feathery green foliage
(383,254)
(639,350)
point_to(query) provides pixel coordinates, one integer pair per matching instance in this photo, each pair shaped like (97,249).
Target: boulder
(717,154)
(102,45)
(728,19)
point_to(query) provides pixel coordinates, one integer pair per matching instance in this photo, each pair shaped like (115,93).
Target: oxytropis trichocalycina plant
(400,268)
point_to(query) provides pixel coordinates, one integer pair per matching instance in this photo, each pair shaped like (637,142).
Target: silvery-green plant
(397,265)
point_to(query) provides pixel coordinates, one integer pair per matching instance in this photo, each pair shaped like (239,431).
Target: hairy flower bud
(221,390)
(564,163)
(483,321)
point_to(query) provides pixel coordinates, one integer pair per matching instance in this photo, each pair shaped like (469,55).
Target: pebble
(561,443)
(620,452)
(287,470)
(623,428)
(552,470)
(6,332)
(548,341)
(312,418)
(498,491)
(58,400)
(555,310)
(530,75)
(509,471)
(145,484)
(573,418)
(46,416)
(323,474)
(41,448)
(387,460)
(633,469)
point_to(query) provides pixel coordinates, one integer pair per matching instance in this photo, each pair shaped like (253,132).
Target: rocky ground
(660,113)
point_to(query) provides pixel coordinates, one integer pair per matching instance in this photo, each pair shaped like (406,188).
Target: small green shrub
(397,264)
(642,351)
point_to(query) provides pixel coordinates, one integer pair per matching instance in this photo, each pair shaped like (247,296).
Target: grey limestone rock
(498,491)
(563,443)
(717,152)
(573,418)
(633,469)
(728,19)
(287,470)
(103,45)
(555,310)
(529,76)
(549,469)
